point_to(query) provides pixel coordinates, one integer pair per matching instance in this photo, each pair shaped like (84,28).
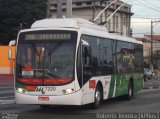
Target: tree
(17,14)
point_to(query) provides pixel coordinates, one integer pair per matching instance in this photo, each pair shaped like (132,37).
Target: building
(147,50)
(6,66)
(146,47)
(89,9)
(156,43)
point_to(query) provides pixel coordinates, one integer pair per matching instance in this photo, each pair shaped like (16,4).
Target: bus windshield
(45,62)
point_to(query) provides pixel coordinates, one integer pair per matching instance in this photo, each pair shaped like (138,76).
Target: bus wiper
(55,48)
(36,52)
(44,65)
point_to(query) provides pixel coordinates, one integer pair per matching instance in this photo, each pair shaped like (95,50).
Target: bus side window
(87,56)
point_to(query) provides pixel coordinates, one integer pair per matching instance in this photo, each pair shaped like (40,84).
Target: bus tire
(97,97)
(130,93)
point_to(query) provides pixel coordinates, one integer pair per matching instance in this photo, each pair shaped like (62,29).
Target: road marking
(152,82)
(4,88)
(148,90)
(2,102)
(6,97)
(7,91)
(149,83)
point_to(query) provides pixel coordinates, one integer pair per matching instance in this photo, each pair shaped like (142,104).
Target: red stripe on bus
(50,81)
(30,81)
(57,81)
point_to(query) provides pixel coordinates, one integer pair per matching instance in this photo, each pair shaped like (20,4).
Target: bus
(73,61)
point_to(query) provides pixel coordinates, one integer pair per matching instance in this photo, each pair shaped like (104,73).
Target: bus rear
(45,66)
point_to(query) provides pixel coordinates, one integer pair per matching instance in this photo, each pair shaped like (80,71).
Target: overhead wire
(154,5)
(146,5)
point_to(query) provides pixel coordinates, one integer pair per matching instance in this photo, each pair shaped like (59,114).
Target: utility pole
(69,9)
(152,43)
(94,9)
(59,8)
(152,40)
(48,8)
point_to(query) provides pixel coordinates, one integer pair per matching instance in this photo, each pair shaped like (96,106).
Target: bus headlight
(21,90)
(68,91)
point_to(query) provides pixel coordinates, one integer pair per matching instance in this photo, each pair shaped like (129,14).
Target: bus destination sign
(59,36)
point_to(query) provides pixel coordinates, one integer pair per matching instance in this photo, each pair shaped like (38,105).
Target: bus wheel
(97,97)
(130,94)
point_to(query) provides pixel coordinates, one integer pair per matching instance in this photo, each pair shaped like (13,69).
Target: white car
(148,74)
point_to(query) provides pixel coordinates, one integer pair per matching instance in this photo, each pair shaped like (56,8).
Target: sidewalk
(6,79)
(152,84)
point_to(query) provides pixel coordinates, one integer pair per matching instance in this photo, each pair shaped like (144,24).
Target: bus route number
(49,89)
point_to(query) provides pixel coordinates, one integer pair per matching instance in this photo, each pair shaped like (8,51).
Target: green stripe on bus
(121,85)
(18,85)
(111,90)
(122,82)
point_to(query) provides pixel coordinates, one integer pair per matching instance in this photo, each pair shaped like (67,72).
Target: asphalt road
(145,102)
(6,94)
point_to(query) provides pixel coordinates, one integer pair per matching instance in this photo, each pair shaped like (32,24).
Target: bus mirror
(9,54)
(12,43)
(87,56)
(84,43)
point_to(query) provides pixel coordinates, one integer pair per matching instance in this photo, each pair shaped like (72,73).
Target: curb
(154,87)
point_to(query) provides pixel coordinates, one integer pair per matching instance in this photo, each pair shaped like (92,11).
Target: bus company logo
(40,89)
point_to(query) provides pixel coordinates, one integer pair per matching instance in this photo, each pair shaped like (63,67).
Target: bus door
(86,62)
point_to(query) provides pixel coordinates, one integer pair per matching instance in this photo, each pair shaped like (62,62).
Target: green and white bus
(75,62)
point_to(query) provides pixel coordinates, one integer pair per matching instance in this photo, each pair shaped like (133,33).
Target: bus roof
(66,23)
(79,23)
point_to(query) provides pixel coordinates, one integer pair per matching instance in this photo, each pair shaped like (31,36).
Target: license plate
(43,98)
(27,73)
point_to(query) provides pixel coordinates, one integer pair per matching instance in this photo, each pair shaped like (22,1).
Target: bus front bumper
(70,99)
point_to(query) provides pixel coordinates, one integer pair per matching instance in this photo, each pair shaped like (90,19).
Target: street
(6,89)
(146,101)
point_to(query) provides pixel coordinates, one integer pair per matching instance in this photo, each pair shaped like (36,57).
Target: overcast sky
(144,11)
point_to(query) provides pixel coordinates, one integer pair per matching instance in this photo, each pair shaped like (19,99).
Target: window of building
(55,5)
(78,3)
(88,3)
(126,8)
(124,21)
(114,23)
(117,6)
(109,25)
(117,22)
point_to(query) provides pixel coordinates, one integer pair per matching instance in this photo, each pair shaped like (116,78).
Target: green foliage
(16,12)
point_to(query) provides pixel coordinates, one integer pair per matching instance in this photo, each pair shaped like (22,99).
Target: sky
(145,11)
